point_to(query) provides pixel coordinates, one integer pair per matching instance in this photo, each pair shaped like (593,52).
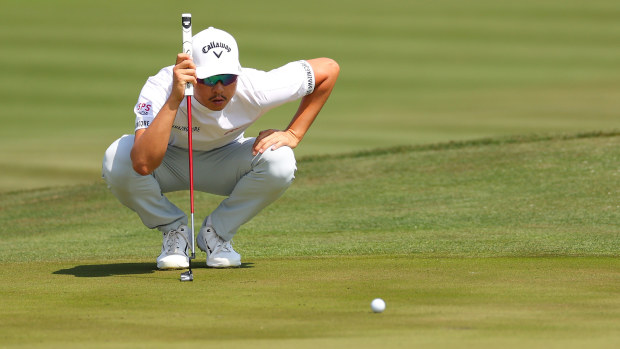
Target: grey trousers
(250,183)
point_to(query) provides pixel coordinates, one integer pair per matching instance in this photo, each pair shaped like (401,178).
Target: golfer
(250,172)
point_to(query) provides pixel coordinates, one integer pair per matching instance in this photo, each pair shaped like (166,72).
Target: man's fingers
(273,139)
(276,145)
(185,68)
(189,75)
(183,57)
(184,71)
(264,140)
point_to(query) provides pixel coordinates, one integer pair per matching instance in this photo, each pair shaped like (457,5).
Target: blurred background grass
(412,71)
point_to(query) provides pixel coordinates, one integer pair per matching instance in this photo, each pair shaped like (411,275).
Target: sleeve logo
(143,108)
(142,124)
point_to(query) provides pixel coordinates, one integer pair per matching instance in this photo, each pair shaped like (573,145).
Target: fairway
(412,72)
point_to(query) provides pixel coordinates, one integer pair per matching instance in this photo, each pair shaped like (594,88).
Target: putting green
(302,302)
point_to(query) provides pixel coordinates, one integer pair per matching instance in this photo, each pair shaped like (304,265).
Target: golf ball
(377,305)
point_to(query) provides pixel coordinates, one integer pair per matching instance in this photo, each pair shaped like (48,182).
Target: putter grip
(186,24)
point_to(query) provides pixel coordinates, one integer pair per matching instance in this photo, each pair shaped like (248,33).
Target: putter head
(187,276)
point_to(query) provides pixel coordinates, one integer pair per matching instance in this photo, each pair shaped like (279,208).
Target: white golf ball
(377,305)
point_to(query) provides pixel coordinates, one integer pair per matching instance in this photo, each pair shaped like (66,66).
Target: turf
(551,302)
(412,184)
(531,196)
(412,72)
(497,242)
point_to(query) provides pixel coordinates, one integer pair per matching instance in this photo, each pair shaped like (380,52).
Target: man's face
(215,97)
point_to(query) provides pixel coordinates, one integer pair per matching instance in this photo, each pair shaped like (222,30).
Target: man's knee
(280,165)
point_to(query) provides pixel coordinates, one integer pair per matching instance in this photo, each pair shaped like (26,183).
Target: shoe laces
(223,246)
(220,244)
(172,242)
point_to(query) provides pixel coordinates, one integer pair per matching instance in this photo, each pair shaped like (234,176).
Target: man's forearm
(326,73)
(150,144)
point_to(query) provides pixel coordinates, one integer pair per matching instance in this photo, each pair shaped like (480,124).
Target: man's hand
(274,139)
(184,71)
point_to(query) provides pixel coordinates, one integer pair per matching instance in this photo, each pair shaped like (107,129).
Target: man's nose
(219,87)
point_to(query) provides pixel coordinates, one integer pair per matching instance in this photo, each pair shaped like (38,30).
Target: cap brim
(205,72)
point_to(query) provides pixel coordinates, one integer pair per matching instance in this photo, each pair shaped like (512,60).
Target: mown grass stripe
(515,139)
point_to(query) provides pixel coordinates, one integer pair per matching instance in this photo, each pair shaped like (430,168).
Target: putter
(186,23)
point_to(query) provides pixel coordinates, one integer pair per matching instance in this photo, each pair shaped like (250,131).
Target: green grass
(529,196)
(490,243)
(548,302)
(412,72)
(465,170)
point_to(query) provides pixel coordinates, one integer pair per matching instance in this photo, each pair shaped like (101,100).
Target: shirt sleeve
(152,97)
(281,85)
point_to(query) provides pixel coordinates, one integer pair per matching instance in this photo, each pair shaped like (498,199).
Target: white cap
(215,52)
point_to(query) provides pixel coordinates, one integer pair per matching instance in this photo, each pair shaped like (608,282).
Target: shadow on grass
(119,269)
(103,270)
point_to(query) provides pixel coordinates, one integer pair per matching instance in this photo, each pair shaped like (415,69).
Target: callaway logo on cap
(215,53)
(216,46)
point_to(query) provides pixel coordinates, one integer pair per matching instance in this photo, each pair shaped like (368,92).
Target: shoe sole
(223,264)
(172,265)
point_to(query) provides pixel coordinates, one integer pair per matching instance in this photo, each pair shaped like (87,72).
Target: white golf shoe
(174,249)
(220,253)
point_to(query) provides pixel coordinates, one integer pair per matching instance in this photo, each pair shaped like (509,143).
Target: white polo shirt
(257,92)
